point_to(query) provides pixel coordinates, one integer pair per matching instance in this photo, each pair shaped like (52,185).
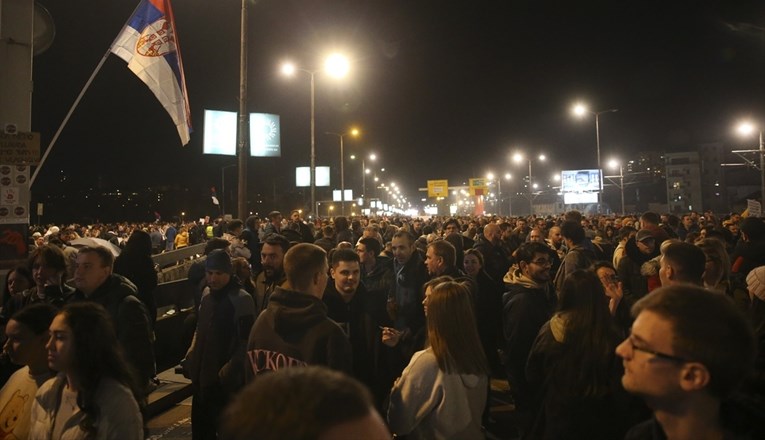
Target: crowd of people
(604,327)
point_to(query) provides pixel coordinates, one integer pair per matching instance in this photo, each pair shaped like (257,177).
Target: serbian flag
(149,44)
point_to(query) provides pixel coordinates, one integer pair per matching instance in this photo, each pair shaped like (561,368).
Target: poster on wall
(14,194)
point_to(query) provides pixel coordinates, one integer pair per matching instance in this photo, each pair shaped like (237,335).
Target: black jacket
(360,319)
(526,307)
(131,322)
(496,261)
(216,357)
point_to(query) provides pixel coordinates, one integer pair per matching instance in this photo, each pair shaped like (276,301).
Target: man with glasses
(689,351)
(527,305)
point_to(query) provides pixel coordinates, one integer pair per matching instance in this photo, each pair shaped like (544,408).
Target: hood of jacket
(558,327)
(294,311)
(514,277)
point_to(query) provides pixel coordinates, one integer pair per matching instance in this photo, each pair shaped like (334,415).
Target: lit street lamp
(614,164)
(518,158)
(337,66)
(364,172)
(354,132)
(746,129)
(490,176)
(581,110)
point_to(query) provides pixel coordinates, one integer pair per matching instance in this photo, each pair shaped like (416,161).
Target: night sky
(440,89)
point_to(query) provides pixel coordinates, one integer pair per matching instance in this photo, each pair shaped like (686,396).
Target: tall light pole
(354,132)
(243,140)
(745,129)
(364,172)
(490,176)
(508,176)
(518,158)
(335,65)
(581,110)
(613,164)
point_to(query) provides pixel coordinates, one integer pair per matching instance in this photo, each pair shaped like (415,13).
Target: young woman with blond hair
(442,392)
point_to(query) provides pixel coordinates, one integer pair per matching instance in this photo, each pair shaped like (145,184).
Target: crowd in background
(423,312)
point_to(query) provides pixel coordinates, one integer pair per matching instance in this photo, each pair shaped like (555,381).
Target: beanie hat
(219,260)
(755,282)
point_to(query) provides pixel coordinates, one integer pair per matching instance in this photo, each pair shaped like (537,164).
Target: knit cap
(755,282)
(219,260)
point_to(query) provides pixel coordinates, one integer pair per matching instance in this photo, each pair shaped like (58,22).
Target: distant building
(713,177)
(683,171)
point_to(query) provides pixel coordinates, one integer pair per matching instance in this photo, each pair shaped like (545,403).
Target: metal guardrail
(169,258)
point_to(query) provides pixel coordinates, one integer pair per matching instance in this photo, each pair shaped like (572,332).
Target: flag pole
(69,115)
(75,104)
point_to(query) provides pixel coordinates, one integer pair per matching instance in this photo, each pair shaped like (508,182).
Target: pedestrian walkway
(174,422)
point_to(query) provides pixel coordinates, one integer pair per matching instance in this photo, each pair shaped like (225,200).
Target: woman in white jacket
(442,392)
(94,395)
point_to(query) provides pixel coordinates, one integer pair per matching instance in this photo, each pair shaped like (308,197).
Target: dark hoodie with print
(295,331)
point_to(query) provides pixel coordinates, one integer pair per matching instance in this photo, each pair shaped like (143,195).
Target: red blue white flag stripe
(149,44)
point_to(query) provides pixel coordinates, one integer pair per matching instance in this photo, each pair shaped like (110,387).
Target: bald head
(492,233)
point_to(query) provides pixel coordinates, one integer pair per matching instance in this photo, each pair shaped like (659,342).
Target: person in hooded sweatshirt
(527,305)
(215,361)
(442,392)
(294,330)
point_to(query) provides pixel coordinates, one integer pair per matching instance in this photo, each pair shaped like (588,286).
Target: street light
(364,172)
(354,132)
(580,110)
(490,177)
(614,164)
(518,158)
(336,67)
(746,129)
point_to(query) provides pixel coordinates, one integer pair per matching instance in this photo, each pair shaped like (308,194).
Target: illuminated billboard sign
(578,181)
(220,134)
(303,176)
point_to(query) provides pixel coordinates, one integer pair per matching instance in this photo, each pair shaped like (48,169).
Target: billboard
(264,135)
(438,188)
(303,176)
(336,195)
(581,181)
(220,134)
(571,198)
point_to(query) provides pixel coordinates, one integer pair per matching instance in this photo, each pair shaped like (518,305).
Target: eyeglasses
(543,263)
(657,354)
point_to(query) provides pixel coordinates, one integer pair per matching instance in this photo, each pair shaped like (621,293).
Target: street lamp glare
(372,156)
(354,132)
(337,65)
(579,109)
(556,177)
(508,176)
(490,176)
(517,157)
(542,157)
(613,164)
(353,157)
(746,128)
(288,69)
